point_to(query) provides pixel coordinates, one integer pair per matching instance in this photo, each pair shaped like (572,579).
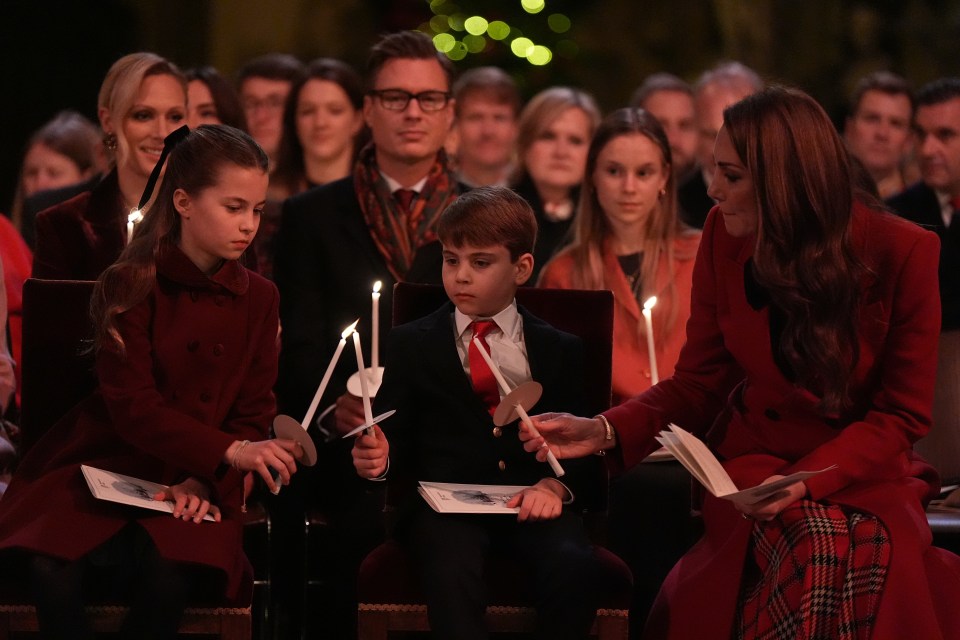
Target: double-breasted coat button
(772,414)
(218,349)
(219,299)
(205,396)
(502,465)
(497,432)
(194,295)
(193,345)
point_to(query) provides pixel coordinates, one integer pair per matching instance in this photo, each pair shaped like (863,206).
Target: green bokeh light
(558,23)
(444,42)
(540,55)
(475,25)
(437,5)
(456,21)
(532,6)
(458,52)
(498,30)
(439,24)
(521,47)
(475,44)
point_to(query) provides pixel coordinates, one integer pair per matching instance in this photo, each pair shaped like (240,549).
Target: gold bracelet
(609,435)
(235,463)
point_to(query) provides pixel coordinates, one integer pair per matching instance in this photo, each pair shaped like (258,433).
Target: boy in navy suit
(443,430)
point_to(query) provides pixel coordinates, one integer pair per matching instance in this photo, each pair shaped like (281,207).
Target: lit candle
(132,221)
(651,349)
(375,335)
(551,459)
(365,391)
(326,376)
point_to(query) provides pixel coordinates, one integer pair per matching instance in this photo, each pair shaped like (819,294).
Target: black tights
(127,568)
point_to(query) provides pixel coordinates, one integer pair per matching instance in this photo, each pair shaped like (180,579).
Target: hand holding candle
(505,388)
(651,349)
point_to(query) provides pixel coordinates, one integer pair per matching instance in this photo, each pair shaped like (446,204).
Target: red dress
(768,425)
(201,360)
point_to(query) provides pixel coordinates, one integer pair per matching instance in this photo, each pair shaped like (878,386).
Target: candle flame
(650,302)
(135,216)
(376,286)
(350,329)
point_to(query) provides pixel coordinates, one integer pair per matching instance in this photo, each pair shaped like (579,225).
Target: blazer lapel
(440,352)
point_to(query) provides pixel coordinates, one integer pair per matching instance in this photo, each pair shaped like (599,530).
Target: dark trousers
(450,551)
(128,569)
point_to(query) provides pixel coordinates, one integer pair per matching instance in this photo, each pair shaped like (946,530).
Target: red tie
(484,383)
(405,198)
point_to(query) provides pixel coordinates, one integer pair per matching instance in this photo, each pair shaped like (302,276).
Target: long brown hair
(591,227)
(194,165)
(804,255)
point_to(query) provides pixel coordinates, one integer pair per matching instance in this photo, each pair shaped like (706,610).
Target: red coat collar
(174,265)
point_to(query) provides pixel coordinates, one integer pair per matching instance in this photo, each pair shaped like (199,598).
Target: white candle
(375,335)
(552,459)
(326,376)
(364,390)
(651,349)
(132,220)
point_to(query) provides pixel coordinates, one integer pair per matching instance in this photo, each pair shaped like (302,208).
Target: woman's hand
(370,454)
(770,508)
(267,458)
(542,501)
(191,500)
(567,435)
(348,414)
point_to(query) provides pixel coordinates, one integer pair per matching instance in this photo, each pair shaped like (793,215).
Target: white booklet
(704,466)
(116,487)
(447,497)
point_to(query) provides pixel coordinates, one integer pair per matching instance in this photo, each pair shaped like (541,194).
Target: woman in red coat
(186,342)
(812,342)
(628,239)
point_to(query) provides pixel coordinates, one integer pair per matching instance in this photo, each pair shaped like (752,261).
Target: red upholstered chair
(58,373)
(389,597)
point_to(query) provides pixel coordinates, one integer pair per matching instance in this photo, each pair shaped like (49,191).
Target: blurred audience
(211,99)
(718,88)
(142,99)
(878,130)
(486,110)
(263,84)
(670,100)
(554,134)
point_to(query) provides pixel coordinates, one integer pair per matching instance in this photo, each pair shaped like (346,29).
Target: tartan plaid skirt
(816,572)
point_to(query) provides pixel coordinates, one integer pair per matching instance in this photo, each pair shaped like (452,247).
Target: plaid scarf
(398,233)
(818,574)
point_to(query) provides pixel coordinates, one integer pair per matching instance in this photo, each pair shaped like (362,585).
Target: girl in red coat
(186,356)
(812,342)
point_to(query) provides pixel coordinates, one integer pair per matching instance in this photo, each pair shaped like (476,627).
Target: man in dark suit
(934,201)
(333,243)
(716,90)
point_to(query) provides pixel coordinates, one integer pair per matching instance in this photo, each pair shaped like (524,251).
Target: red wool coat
(201,360)
(769,425)
(631,359)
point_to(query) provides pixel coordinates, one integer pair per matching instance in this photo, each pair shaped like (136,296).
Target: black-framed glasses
(398,99)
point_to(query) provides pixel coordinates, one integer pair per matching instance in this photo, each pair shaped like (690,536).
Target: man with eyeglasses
(333,243)
(263,85)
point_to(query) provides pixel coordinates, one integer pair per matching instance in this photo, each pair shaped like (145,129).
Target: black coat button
(193,345)
(205,396)
(772,414)
(218,349)
(194,295)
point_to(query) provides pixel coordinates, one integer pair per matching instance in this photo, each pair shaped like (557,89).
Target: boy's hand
(542,501)
(370,454)
(191,500)
(348,414)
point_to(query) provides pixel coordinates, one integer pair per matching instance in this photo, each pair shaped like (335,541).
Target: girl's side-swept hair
(122,82)
(661,230)
(804,255)
(193,165)
(490,216)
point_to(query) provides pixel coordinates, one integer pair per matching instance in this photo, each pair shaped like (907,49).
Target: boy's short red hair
(488,216)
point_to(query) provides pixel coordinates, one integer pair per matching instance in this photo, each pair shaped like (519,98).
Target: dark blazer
(551,235)
(442,431)
(79,238)
(325,266)
(693,201)
(919,204)
(47,198)
(197,375)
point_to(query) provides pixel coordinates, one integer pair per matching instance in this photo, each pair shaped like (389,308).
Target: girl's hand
(770,508)
(539,502)
(370,453)
(267,458)
(191,500)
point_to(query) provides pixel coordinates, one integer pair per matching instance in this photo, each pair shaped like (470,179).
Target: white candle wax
(375,334)
(651,348)
(326,376)
(364,390)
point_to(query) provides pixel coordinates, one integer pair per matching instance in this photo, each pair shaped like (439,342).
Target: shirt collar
(394,185)
(507,320)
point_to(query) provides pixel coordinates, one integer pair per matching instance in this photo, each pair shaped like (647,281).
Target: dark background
(54,54)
